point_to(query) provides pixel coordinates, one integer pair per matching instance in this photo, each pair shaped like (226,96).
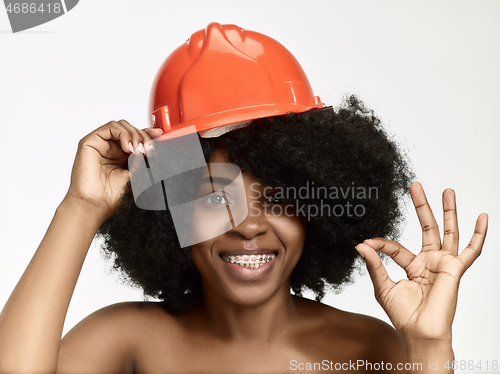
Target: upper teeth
(249,261)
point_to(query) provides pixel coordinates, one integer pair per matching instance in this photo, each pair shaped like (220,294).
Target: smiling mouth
(250,261)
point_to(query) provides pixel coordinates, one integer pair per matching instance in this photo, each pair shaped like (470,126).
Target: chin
(253,295)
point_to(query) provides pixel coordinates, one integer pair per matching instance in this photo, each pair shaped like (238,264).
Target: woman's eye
(216,199)
(275,200)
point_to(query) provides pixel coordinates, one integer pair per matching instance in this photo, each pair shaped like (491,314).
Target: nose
(253,225)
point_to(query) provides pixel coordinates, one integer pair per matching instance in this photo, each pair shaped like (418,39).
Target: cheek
(200,253)
(208,223)
(291,231)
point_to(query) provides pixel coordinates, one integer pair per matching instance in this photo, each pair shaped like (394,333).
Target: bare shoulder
(353,336)
(106,341)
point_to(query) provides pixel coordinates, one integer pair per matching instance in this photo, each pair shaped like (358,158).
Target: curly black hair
(342,149)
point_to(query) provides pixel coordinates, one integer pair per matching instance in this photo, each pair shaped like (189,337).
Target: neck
(255,323)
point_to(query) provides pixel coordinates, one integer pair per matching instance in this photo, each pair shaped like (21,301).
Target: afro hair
(344,149)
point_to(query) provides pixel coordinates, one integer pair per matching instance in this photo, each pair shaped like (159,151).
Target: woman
(217,315)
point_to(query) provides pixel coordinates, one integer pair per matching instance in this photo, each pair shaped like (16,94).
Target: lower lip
(248,274)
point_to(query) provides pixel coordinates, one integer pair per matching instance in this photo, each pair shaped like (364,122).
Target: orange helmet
(222,77)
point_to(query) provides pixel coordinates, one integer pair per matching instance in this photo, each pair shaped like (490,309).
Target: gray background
(428,69)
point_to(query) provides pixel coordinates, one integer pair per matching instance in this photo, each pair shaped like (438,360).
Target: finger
(103,139)
(473,250)
(139,137)
(380,279)
(450,236)
(430,231)
(153,133)
(401,256)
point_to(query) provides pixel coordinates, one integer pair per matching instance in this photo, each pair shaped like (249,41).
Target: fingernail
(362,255)
(131,147)
(141,149)
(159,128)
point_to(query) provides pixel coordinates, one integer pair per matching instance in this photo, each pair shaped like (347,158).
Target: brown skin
(239,326)
(161,343)
(254,326)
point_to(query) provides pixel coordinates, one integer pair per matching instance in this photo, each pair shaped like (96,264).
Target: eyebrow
(218,180)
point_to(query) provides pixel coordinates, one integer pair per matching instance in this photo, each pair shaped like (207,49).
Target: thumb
(378,274)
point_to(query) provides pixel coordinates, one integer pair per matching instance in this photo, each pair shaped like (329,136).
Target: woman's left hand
(423,306)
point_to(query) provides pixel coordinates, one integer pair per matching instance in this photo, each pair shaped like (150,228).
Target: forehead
(221,157)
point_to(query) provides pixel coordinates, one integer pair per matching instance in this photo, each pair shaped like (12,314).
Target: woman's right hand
(99,175)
